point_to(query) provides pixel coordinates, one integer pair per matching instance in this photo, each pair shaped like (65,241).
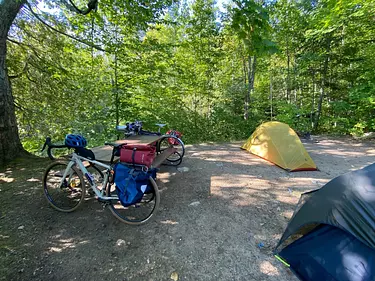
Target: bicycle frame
(76,159)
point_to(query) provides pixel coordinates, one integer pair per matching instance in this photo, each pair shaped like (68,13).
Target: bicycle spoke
(138,213)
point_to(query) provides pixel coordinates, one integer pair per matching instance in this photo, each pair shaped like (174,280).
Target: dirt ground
(212,217)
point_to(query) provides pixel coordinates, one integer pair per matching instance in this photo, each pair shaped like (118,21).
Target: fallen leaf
(174,276)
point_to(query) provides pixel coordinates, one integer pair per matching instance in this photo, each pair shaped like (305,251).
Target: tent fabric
(346,202)
(329,253)
(279,144)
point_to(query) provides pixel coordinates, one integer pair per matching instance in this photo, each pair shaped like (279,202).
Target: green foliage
(177,63)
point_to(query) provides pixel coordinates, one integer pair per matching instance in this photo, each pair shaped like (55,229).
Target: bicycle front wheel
(139,213)
(64,194)
(172,142)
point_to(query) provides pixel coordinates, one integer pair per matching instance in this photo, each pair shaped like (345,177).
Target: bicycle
(65,189)
(63,153)
(171,139)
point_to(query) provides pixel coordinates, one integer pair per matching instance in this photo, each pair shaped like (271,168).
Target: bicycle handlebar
(50,145)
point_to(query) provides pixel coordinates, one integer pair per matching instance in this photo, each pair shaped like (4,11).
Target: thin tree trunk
(288,76)
(251,76)
(312,114)
(246,99)
(271,97)
(244,71)
(10,144)
(116,93)
(323,84)
(253,69)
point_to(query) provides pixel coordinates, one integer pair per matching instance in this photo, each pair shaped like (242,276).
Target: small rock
(196,203)
(183,169)
(120,242)
(21,227)
(174,276)
(219,164)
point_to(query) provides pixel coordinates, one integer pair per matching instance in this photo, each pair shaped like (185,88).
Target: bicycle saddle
(161,125)
(121,127)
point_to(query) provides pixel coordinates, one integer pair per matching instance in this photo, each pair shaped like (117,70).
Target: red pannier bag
(137,154)
(177,134)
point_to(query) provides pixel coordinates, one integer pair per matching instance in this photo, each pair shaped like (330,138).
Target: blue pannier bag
(132,184)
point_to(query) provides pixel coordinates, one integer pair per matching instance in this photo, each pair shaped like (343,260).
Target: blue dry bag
(132,184)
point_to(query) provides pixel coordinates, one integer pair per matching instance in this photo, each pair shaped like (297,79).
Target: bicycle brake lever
(47,142)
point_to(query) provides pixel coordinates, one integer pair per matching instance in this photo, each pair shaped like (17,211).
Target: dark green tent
(331,234)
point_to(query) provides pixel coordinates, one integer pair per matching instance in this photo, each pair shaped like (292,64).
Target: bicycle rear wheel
(63,194)
(139,213)
(175,142)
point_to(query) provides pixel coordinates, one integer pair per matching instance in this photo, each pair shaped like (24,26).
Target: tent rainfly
(279,144)
(331,234)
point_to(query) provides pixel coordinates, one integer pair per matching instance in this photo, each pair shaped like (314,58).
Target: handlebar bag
(137,154)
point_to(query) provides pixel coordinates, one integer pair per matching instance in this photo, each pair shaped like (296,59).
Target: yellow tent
(278,143)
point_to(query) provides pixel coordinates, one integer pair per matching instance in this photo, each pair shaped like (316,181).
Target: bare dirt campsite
(221,213)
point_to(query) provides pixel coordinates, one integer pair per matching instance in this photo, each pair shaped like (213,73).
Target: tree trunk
(312,113)
(323,85)
(271,97)
(246,100)
(10,144)
(288,76)
(251,76)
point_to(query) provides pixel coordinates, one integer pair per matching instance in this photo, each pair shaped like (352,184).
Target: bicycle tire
(132,215)
(168,142)
(65,198)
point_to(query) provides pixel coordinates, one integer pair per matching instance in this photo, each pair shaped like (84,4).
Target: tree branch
(24,45)
(14,41)
(17,105)
(63,33)
(28,78)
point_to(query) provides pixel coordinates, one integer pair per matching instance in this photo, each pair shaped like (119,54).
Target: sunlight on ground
(33,180)
(244,190)
(64,244)
(342,152)
(267,268)
(287,214)
(169,222)
(6,179)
